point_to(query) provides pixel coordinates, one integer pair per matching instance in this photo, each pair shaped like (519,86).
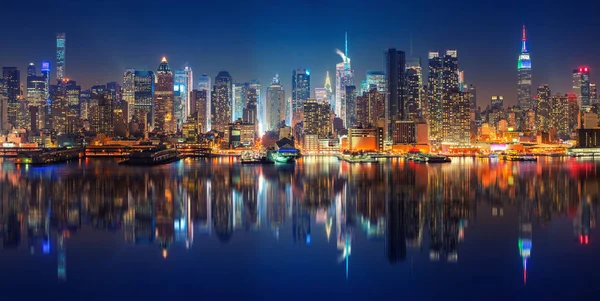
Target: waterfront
(319,229)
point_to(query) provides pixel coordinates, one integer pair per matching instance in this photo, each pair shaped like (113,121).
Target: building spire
(346,65)
(524,46)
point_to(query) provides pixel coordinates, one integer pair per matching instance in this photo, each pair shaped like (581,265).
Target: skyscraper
(164,119)
(350,95)
(238,101)
(102,117)
(524,76)
(275,104)
(370,107)
(344,77)
(300,89)
(221,101)
(182,91)
(395,68)
(413,93)
(328,88)
(456,121)
(129,92)
(61,41)
(143,99)
(543,109)
(581,87)
(36,87)
(497,102)
(199,108)
(434,96)
(46,74)
(204,83)
(376,78)
(12,90)
(316,118)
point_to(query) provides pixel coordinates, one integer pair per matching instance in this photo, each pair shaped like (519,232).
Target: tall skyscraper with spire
(524,76)
(328,87)
(61,41)
(164,118)
(275,104)
(344,76)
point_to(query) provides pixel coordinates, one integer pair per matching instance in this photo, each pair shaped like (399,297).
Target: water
(217,230)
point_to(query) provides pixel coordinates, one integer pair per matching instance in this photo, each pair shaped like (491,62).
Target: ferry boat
(518,157)
(423,158)
(357,158)
(48,156)
(247,158)
(154,156)
(284,152)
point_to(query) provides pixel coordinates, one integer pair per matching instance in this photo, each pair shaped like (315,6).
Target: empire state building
(524,76)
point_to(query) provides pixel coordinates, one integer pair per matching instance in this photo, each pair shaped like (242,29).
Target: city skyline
(552,60)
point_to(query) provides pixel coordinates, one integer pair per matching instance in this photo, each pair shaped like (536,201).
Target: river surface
(213,229)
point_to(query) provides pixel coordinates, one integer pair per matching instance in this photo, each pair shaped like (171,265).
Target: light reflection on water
(351,222)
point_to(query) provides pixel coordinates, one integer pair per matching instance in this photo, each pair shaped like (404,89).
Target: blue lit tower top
(524,60)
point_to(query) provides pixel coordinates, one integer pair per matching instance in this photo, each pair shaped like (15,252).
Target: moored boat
(154,156)
(48,156)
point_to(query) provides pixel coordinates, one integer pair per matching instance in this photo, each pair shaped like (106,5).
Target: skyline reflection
(408,210)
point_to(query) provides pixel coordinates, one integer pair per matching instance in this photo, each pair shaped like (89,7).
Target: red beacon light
(585,69)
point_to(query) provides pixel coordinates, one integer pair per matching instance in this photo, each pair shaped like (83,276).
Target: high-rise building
(434,96)
(204,83)
(200,109)
(497,102)
(473,93)
(61,41)
(376,78)
(59,107)
(237,103)
(4,126)
(328,88)
(31,70)
(321,95)
(344,77)
(456,119)
(524,76)
(415,104)
(250,111)
(72,94)
(181,91)
(370,107)
(12,91)
(300,89)
(593,94)
(164,119)
(581,87)
(543,109)
(46,74)
(221,111)
(560,115)
(260,106)
(317,118)
(275,104)
(395,74)
(36,87)
(128,92)
(350,95)
(143,99)
(102,118)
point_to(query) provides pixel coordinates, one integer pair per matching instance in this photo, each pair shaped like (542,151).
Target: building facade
(164,117)
(221,110)
(524,76)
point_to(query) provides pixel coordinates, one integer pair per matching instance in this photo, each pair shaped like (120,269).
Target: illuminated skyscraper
(12,90)
(129,92)
(221,111)
(143,98)
(237,102)
(204,83)
(61,41)
(497,102)
(581,87)
(300,89)
(395,73)
(434,96)
(46,74)
(102,116)
(275,104)
(543,108)
(164,119)
(370,107)
(414,88)
(350,95)
(316,118)
(456,121)
(344,77)
(524,76)
(321,95)
(199,109)
(36,87)
(181,92)
(560,115)
(328,88)
(377,79)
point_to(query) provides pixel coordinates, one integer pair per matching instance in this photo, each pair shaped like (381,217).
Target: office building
(582,88)
(46,74)
(204,83)
(395,73)
(221,111)
(328,88)
(376,78)
(524,76)
(200,109)
(434,96)
(102,116)
(350,95)
(456,119)
(61,43)
(344,77)
(275,104)
(370,108)
(164,119)
(560,115)
(181,93)
(317,118)
(404,132)
(544,108)
(238,100)
(321,95)
(497,102)
(12,92)
(143,99)
(300,89)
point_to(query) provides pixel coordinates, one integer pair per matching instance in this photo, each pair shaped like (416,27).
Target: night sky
(256,39)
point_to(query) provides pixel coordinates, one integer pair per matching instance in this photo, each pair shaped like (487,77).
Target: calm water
(214,229)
